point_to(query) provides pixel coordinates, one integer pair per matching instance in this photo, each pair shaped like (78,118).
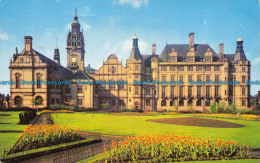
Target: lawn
(8,138)
(137,125)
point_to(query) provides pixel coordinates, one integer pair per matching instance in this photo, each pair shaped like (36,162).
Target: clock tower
(75,47)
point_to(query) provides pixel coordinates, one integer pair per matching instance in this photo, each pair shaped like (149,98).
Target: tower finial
(56,44)
(75,12)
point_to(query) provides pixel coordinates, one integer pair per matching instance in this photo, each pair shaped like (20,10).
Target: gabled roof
(183,49)
(147,58)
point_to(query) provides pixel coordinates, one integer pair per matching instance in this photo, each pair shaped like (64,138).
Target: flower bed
(37,136)
(57,111)
(173,148)
(230,116)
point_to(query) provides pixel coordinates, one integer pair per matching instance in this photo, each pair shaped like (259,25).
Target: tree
(191,109)
(105,105)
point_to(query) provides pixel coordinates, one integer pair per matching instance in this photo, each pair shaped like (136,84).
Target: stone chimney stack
(154,49)
(191,40)
(221,49)
(28,43)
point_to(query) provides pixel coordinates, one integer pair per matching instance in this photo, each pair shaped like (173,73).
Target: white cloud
(128,43)
(133,3)
(4,36)
(256,61)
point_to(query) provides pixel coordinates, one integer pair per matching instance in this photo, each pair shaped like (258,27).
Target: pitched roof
(230,57)
(79,75)
(147,58)
(183,49)
(135,53)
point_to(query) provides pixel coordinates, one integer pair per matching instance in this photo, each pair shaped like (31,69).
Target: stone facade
(179,63)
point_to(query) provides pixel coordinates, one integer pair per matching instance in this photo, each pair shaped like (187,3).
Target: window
(17,80)
(181,103)
(136,90)
(216,92)
(136,76)
(112,87)
(199,92)
(18,101)
(208,68)
(198,78)
(136,67)
(52,101)
(189,59)
(147,101)
(181,68)
(190,103)
(80,101)
(243,69)
(198,68)
(57,101)
(172,91)
(147,70)
(243,79)
(163,91)
(190,78)
(216,68)
(172,78)
(207,102)
(79,88)
(208,92)
(181,78)
(147,90)
(243,102)
(121,86)
(67,89)
(243,91)
(216,78)
(190,68)
(190,91)
(199,103)
(163,103)
(207,78)
(181,91)
(172,68)
(113,102)
(207,59)
(163,68)
(130,89)
(226,69)
(21,60)
(163,78)
(171,102)
(38,100)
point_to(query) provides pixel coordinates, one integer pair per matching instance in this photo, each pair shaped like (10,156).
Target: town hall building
(177,63)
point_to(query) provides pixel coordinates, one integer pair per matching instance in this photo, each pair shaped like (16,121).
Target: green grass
(8,139)
(137,125)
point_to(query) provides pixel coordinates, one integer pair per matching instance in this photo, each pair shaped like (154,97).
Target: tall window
(216,78)
(130,89)
(243,69)
(136,67)
(208,68)
(172,68)
(207,78)
(207,92)
(18,80)
(181,78)
(148,90)
(147,101)
(136,90)
(190,78)
(243,91)
(243,102)
(172,78)
(38,80)
(67,89)
(243,79)
(79,88)
(163,78)
(21,60)
(80,101)
(216,91)
(163,68)
(18,101)
(163,91)
(112,87)
(198,78)
(208,59)
(121,86)
(199,92)
(172,91)
(181,68)
(190,91)
(181,91)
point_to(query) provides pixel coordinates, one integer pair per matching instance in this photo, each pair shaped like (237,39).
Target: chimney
(191,40)
(154,49)
(28,43)
(221,49)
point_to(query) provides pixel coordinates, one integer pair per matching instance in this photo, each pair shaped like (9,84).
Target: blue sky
(109,26)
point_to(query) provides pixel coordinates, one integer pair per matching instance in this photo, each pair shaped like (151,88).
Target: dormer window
(207,59)
(21,60)
(189,59)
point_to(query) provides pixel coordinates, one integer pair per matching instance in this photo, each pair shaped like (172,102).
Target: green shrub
(212,108)
(27,116)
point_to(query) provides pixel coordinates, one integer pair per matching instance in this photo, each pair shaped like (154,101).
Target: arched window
(38,100)
(199,103)
(163,103)
(190,102)
(181,103)
(207,102)
(18,101)
(18,80)
(171,102)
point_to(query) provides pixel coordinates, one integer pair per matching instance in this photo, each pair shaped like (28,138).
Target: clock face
(74,59)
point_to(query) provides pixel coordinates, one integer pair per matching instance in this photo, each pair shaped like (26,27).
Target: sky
(109,26)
